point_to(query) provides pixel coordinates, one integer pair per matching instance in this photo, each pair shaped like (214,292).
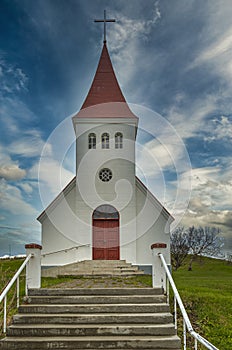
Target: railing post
(5,314)
(33,268)
(158,272)
(18,291)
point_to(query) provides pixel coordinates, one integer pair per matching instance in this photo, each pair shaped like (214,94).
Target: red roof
(105,90)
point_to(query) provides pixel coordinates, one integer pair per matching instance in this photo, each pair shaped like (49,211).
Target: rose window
(105,175)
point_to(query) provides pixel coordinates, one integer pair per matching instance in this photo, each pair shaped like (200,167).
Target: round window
(105,175)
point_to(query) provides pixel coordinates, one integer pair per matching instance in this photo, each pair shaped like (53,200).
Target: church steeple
(105,87)
(105,96)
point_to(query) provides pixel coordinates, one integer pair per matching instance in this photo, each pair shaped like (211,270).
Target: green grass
(48,282)
(7,270)
(207,295)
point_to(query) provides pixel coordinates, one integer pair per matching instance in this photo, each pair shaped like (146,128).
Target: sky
(173,63)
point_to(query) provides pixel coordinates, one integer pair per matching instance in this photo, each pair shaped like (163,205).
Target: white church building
(105,212)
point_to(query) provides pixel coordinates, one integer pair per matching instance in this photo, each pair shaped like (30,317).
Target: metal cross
(104,21)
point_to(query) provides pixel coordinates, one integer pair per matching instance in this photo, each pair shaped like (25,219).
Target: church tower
(105,131)
(105,212)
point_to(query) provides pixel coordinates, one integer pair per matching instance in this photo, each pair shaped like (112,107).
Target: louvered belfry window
(92,141)
(105,141)
(118,140)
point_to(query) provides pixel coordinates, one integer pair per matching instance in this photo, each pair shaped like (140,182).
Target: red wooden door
(106,239)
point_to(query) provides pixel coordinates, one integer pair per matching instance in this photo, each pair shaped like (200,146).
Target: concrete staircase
(101,318)
(94,268)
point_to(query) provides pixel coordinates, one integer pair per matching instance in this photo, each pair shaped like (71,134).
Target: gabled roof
(105,91)
(144,188)
(72,184)
(57,199)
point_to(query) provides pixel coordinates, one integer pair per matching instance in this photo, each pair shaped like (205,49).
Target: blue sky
(173,57)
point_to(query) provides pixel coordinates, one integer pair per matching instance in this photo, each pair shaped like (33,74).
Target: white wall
(152,227)
(60,233)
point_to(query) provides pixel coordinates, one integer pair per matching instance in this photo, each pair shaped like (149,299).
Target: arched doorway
(106,233)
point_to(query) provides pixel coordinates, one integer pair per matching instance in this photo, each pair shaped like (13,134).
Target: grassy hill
(207,295)
(206,292)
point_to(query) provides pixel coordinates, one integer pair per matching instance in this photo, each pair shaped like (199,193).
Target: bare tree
(179,247)
(194,241)
(203,241)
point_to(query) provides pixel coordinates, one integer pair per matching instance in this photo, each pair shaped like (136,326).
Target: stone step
(105,269)
(103,262)
(100,318)
(91,299)
(94,308)
(102,268)
(94,267)
(96,342)
(41,330)
(100,274)
(95,291)
(85,318)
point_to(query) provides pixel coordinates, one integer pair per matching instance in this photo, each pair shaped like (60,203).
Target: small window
(92,141)
(118,140)
(105,141)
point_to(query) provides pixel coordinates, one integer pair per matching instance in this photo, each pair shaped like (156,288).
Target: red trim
(158,245)
(33,246)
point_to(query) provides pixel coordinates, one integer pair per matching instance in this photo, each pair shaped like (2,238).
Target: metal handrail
(65,250)
(3,296)
(186,319)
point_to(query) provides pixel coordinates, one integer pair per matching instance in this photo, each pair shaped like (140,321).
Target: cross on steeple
(104,21)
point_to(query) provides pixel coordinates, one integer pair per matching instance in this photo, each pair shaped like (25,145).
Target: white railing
(186,321)
(3,296)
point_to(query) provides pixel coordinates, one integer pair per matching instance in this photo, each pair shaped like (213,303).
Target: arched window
(105,141)
(92,141)
(105,211)
(118,140)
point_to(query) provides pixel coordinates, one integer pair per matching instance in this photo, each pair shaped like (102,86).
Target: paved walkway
(106,282)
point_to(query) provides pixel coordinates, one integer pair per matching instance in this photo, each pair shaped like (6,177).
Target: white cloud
(12,78)
(27,146)
(191,120)
(126,37)
(11,200)
(9,169)
(52,178)
(218,54)
(12,172)
(26,187)
(15,116)
(211,196)
(54,175)
(218,48)
(221,128)
(216,41)
(155,157)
